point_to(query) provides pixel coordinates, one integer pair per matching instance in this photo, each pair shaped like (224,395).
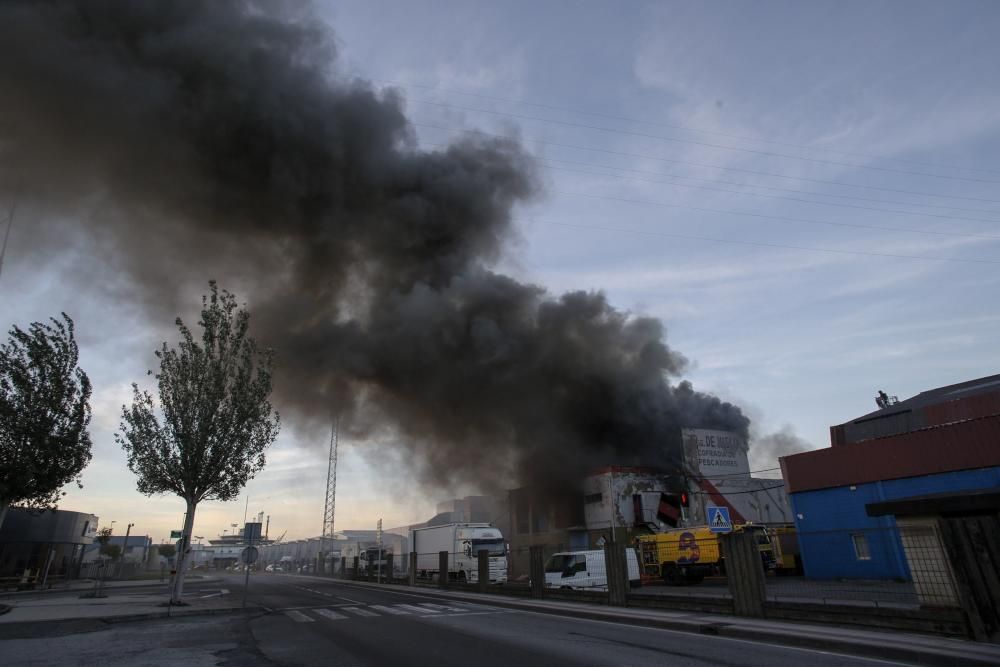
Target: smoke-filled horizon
(195,141)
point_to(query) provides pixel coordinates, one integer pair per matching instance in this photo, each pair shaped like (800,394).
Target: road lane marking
(332,615)
(224,591)
(390,610)
(419,610)
(359,612)
(310,606)
(477,613)
(443,607)
(341,597)
(298,617)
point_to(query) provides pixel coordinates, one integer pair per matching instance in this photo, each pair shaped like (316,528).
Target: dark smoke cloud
(216,140)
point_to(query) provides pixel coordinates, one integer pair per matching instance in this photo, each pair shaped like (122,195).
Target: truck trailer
(463,542)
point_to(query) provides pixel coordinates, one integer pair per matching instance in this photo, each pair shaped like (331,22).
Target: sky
(807,195)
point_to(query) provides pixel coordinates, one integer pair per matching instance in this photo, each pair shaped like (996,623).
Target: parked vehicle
(374,560)
(585,570)
(462,541)
(785,540)
(688,555)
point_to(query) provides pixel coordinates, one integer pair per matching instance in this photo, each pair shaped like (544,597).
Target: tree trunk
(182,553)
(3,513)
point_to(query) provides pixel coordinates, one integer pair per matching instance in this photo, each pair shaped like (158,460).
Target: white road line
(419,610)
(332,615)
(298,617)
(341,597)
(442,607)
(477,613)
(359,612)
(390,610)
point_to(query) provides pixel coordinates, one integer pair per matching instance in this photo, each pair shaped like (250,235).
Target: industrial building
(39,544)
(717,473)
(134,548)
(620,503)
(941,441)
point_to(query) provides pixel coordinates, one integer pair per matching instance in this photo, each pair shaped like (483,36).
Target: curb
(728,627)
(179,612)
(11,630)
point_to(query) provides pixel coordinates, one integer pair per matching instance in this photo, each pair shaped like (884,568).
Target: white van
(585,570)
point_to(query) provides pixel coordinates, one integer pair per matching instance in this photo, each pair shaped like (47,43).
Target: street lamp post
(125,546)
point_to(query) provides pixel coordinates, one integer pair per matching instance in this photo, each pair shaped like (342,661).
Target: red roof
(957,446)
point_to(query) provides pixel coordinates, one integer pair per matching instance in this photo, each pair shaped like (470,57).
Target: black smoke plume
(198,140)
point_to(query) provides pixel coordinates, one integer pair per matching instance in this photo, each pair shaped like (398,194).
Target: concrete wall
(827,520)
(750,499)
(55,526)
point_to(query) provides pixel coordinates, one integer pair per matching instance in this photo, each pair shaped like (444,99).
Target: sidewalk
(907,647)
(84,585)
(119,605)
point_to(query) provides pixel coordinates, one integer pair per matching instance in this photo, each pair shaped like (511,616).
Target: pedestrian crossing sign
(718,519)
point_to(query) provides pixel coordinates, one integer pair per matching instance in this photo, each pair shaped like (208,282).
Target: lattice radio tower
(329,507)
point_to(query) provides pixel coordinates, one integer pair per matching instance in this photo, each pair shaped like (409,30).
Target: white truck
(585,570)
(463,542)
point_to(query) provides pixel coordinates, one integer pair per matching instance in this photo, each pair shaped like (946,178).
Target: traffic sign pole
(248,556)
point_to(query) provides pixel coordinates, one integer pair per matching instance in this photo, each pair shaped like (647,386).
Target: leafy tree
(44,414)
(112,551)
(206,437)
(166,550)
(107,549)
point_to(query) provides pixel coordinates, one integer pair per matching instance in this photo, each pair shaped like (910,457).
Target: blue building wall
(827,519)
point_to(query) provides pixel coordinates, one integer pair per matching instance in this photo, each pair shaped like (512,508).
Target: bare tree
(44,414)
(206,437)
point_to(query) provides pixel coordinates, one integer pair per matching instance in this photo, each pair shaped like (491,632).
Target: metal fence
(698,571)
(881,567)
(686,565)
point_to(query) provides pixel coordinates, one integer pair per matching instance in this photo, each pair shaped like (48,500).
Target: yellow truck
(786,544)
(688,555)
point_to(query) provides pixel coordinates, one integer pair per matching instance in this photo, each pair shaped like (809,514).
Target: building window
(861,547)
(592,498)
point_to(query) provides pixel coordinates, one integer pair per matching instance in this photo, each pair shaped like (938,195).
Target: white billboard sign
(715,453)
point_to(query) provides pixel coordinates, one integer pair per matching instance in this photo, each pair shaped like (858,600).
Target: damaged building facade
(621,502)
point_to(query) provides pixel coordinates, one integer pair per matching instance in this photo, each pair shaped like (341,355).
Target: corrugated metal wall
(826,520)
(962,446)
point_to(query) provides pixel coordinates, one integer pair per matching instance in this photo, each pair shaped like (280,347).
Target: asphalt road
(314,622)
(311,621)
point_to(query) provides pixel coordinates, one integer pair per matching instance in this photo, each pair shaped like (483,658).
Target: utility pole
(6,235)
(125,546)
(330,504)
(614,502)
(378,535)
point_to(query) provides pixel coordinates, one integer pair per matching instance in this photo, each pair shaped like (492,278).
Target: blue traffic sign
(718,519)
